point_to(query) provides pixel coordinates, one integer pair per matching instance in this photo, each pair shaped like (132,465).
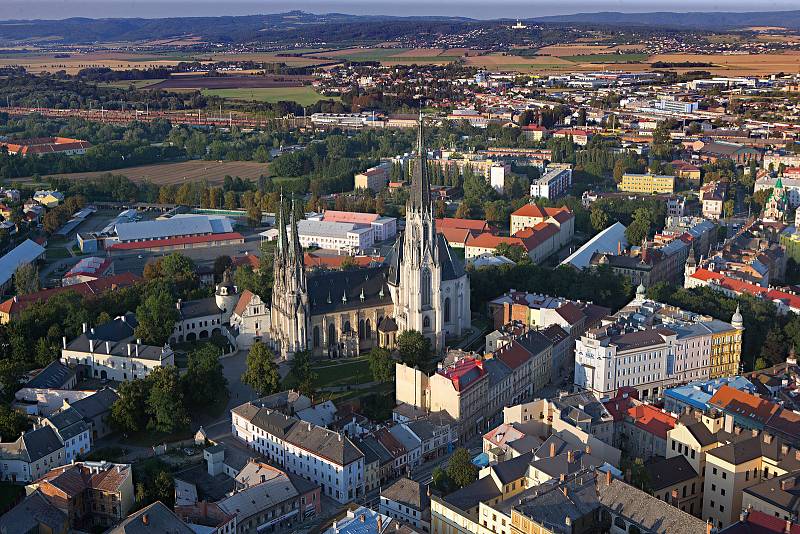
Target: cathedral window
(426,322)
(361,329)
(447,310)
(331,334)
(346,329)
(425,287)
(367,330)
(316,336)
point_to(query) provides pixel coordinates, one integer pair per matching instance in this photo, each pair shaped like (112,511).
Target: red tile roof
(464,373)
(744,404)
(652,419)
(464,224)
(534,210)
(456,235)
(513,354)
(250,259)
(175,241)
(491,241)
(244,300)
(761,523)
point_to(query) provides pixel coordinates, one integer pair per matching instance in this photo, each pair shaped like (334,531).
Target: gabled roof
(409,493)
(743,404)
(54,376)
(668,472)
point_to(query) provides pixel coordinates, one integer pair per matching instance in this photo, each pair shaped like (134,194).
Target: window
(447,310)
(722,491)
(425,287)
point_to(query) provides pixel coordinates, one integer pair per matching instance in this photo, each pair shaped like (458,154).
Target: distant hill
(693,21)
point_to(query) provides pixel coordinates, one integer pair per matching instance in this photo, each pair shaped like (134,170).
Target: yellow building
(647,183)
(726,347)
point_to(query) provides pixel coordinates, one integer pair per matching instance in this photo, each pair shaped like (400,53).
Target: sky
(482,9)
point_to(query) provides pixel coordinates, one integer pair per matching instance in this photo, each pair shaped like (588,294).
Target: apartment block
(647,183)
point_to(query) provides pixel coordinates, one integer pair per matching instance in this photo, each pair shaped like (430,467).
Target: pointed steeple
(420,198)
(295,251)
(280,221)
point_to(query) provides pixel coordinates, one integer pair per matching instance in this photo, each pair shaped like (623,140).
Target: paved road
(423,473)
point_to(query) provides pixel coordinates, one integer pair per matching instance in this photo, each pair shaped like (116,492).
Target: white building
(317,454)
(206,318)
(497,176)
(32,455)
(250,319)
(385,227)
(553,184)
(345,237)
(407,501)
(790,185)
(109,351)
(25,253)
(73,432)
(610,241)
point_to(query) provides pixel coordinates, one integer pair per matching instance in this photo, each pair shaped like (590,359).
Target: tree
(515,253)
(156,315)
(128,411)
(598,219)
(639,229)
(262,371)
(221,263)
(381,364)
(414,348)
(728,208)
(303,372)
(440,481)
(463,211)
(26,279)
(12,423)
(164,488)
(460,468)
(204,382)
(254,215)
(165,404)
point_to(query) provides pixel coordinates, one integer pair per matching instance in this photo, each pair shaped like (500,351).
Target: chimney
(91,345)
(608,477)
(588,449)
(91,330)
(137,349)
(728,423)
(674,498)
(145,519)
(564,490)
(787,483)
(380,523)
(754,432)
(129,349)
(709,528)
(178,304)
(552,450)
(562,477)
(767,438)
(787,529)
(784,449)
(108,347)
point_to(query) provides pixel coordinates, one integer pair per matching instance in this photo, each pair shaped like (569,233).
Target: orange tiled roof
(741,403)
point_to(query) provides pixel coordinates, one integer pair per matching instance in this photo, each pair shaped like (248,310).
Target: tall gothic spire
(420,198)
(296,251)
(280,221)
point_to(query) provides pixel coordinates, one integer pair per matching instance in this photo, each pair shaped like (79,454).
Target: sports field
(305,96)
(213,172)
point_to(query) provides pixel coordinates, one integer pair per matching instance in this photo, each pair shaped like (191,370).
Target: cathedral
(421,286)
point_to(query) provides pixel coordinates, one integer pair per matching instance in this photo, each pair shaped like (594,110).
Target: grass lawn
(9,493)
(56,253)
(336,373)
(606,58)
(305,96)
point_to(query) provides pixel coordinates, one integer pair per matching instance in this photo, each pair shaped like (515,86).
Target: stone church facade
(421,286)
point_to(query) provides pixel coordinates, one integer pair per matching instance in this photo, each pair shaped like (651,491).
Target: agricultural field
(606,58)
(233,82)
(213,172)
(397,56)
(73,62)
(305,96)
(738,64)
(137,84)
(265,57)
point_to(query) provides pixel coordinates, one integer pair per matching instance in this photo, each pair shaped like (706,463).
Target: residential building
(407,501)
(32,455)
(73,432)
(647,183)
(48,199)
(92,494)
(676,482)
(651,347)
(686,171)
(531,215)
(553,184)
(375,178)
(250,319)
(640,429)
(696,394)
(207,317)
(95,410)
(156,517)
(320,455)
(33,515)
(579,137)
(111,352)
(362,520)
(712,197)
(40,146)
(345,237)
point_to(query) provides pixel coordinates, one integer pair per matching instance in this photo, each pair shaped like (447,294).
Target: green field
(124,84)
(305,96)
(372,54)
(607,58)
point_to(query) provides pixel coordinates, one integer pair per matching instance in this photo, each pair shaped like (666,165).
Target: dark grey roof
(557,465)
(114,330)
(555,334)
(468,497)
(423,429)
(94,405)
(701,433)
(496,370)
(330,291)
(33,511)
(159,519)
(199,308)
(40,442)
(547,504)
(409,493)
(534,341)
(69,423)
(323,442)
(273,422)
(668,472)
(513,469)
(54,376)
(452,266)
(373,450)
(785,495)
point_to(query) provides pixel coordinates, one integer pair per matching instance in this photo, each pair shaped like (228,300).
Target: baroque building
(421,286)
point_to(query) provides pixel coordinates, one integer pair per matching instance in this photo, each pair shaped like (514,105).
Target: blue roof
(697,394)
